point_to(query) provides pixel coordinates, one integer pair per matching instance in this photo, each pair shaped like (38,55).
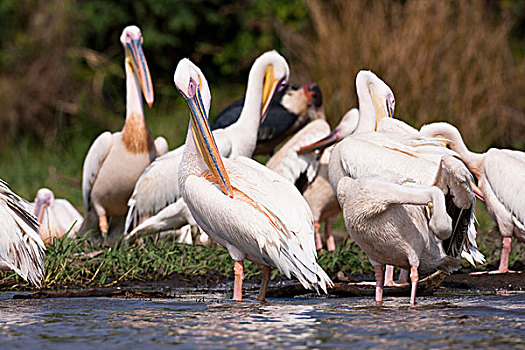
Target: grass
(68,263)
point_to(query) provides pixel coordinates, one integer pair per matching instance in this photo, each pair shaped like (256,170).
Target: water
(213,322)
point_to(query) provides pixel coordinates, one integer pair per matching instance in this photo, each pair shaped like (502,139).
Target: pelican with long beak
(115,160)
(56,216)
(253,212)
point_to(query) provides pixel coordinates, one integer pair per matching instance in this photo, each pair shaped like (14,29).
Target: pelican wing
(21,248)
(295,167)
(68,216)
(156,188)
(267,219)
(391,125)
(454,179)
(96,155)
(505,172)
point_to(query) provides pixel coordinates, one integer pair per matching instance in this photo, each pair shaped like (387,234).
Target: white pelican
(501,179)
(388,221)
(244,206)
(56,216)
(156,204)
(21,248)
(115,161)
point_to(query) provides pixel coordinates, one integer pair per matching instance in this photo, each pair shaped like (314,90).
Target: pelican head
(313,94)
(381,94)
(44,198)
(275,78)
(131,39)
(192,85)
(346,127)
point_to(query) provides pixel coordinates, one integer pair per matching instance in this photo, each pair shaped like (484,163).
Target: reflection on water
(211,323)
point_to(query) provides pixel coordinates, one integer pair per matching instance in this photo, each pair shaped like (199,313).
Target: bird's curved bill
(323,143)
(477,192)
(206,143)
(270,85)
(40,207)
(139,66)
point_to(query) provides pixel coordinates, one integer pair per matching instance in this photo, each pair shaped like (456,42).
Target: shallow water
(213,322)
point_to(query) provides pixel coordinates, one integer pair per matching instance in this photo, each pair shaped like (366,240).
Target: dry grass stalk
(445,60)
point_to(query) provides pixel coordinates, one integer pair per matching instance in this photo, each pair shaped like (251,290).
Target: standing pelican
(501,179)
(156,204)
(21,248)
(244,206)
(319,194)
(56,216)
(387,219)
(115,161)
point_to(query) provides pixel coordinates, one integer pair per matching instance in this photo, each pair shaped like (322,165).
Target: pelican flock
(156,204)
(406,195)
(115,161)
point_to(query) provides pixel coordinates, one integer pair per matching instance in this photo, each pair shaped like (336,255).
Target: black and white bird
(291,109)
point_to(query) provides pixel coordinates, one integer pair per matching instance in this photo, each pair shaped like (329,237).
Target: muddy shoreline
(461,283)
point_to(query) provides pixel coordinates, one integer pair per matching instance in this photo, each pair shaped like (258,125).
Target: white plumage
(21,248)
(501,179)
(56,216)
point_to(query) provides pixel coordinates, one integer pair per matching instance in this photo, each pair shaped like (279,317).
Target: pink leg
(389,276)
(330,241)
(318,241)
(238,270)
(505,253)
(403,277)
(413,279)
(103,224)
(379,284)
(503,261)
(264,284)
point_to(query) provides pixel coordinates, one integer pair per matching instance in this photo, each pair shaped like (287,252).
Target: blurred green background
(62,78)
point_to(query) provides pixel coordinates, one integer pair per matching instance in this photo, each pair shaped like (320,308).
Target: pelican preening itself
(400,155)
(501,179)
(290,110)
(115,161)
(21,248)
(247,208)
(156,203)
(56,216)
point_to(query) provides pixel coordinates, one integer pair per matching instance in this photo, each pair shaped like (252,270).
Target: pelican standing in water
(115,161)
(156,204)
(21,248)
(501,179)
(250,210)
(56,216)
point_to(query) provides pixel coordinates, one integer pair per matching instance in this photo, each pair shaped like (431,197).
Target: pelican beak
(383,110)
(206,143)
(40,209)
(477,192)
(137,62)
(323,143)
(271,84)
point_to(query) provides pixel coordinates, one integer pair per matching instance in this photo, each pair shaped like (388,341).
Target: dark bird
(289,111)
